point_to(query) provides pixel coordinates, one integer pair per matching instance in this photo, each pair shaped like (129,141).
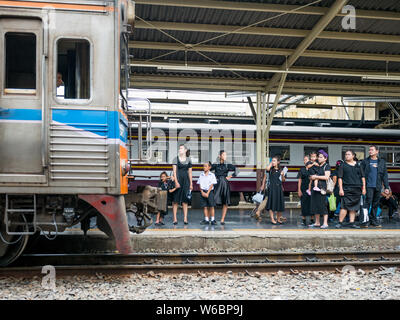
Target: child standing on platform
(166,183)
(207,180)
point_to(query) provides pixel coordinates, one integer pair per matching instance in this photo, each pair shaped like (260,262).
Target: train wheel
(11,247)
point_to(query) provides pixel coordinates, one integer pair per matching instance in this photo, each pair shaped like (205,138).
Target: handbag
(332,202)
(330,185)
(364,218)
(258,198)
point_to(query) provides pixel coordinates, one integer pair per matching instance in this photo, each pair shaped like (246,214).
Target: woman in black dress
(319,201)
(351,179)
(222,189)
(276,200)
(302,187)
(182,168)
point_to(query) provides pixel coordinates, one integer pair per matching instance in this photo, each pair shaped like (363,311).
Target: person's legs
(392,205)
(174,210)
(317,222)
(261,207)
(158,217)
(271,215)
(206,215)
(325,220)
(376,196)
(211,212)
(185,211)
(342,215)
(279,217)
(224,211)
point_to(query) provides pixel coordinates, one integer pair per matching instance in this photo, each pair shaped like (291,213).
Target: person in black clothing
(302,186)
(182,168)
(334,176)
(351,179)
(319,205)
(276,200)
(312,167)
(390,201)
(376,176)
(222,189)
(166,183)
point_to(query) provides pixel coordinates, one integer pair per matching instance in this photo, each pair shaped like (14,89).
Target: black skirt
(305,205)
(351,199)
(276,200)
(222,192)
(319,203)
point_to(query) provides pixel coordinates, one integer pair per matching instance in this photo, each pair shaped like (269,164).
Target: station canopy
(306,47)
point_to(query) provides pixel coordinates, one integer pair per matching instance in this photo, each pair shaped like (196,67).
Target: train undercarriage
(25,216)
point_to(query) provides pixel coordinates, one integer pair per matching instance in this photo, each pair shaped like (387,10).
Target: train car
(291,143)
(63,122)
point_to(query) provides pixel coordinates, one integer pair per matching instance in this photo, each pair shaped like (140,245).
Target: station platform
(241,232)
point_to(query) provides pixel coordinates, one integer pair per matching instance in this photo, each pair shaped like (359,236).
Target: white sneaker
(324,226)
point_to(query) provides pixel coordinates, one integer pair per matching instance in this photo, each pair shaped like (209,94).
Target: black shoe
(185,222)
(175,223)
(213,222)
(376,224)
(354,226)
(162,223)
(339,225)
(222,222)
(364,225)
(204,222)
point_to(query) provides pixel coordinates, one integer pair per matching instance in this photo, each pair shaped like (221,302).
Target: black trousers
(391,203)
(372,199)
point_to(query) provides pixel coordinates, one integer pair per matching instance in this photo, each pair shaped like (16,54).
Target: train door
(22,127)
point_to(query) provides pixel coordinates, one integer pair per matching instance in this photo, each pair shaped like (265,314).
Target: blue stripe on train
(102,123)
(21,114)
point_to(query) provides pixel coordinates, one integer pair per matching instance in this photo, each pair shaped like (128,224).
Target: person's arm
(364,188)
(334,179)
(385,177)
(190,178)
(264,181)
(177,185)
(299,185)
(233,168)
(341,192)
(283,177)
(269,166)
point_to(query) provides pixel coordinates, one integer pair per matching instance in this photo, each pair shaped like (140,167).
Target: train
(291,143)
(63,122)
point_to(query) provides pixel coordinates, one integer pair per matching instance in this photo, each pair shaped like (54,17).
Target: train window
(359,151)
(20,56)
(282,151)
(309,149)
(391,155)
(73,69)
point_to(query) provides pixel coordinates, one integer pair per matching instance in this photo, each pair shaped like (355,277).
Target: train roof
(292,130)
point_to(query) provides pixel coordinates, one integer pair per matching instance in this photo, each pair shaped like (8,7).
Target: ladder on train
(25,217)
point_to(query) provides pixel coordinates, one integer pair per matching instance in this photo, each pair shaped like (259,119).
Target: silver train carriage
(63,121)
(289,142)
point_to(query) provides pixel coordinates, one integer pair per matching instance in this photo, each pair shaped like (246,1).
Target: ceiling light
(380,78)
(185,68)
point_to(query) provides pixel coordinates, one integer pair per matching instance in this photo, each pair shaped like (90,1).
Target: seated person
(387,198)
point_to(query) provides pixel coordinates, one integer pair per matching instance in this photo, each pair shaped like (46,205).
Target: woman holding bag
(352,185)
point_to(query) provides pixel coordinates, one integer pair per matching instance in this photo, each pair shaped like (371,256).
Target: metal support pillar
(259,139)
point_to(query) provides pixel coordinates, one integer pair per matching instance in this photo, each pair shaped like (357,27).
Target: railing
(139,120)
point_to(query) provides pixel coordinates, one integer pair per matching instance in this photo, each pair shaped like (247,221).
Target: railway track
(72,264)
